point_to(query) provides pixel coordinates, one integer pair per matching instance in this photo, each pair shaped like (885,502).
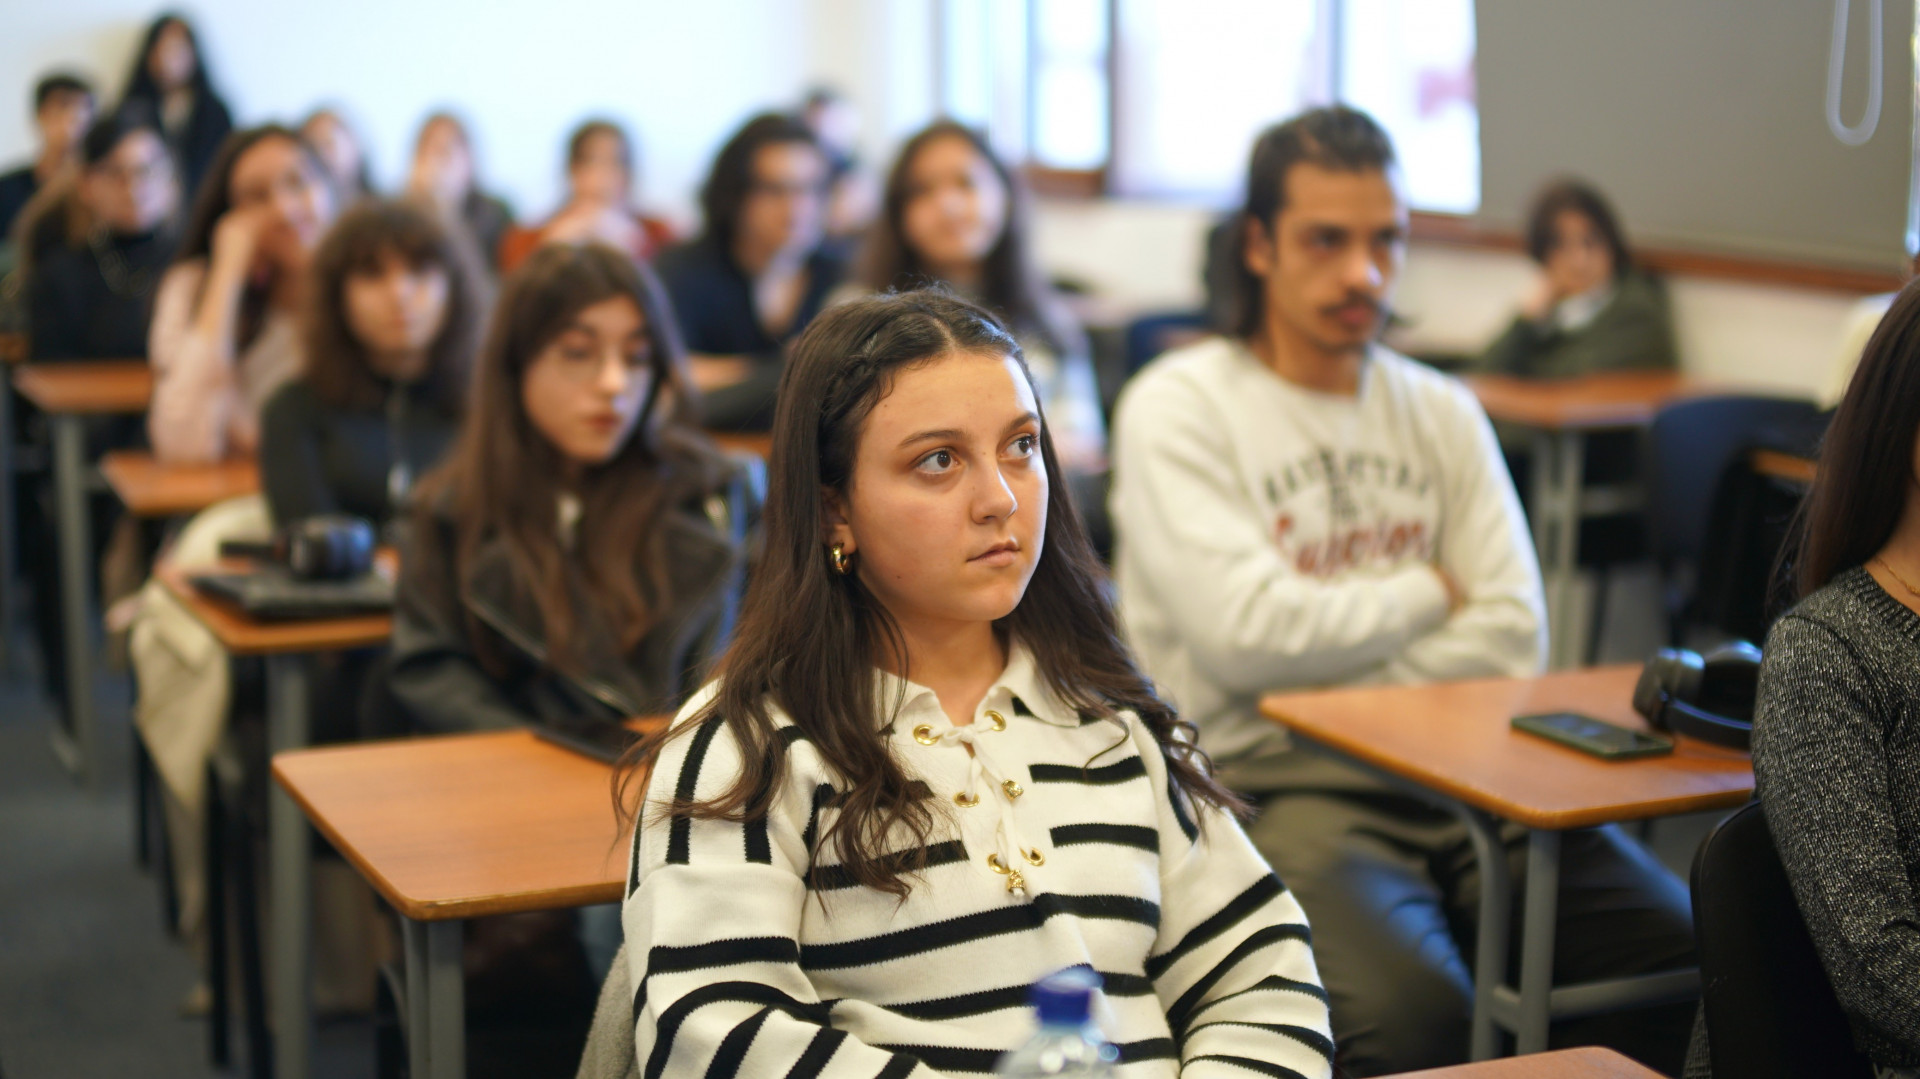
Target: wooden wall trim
(1457,231)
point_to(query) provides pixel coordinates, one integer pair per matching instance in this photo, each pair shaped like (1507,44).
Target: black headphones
(330,547)
(1707,697)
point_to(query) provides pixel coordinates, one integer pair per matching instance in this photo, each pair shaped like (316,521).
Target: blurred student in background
(600,206)
(90,294)
(1591,309)
(225,330)
(953,213)
(757,274)
(340,149)
(445,174)
(62,111)
(851,195)
(394,310)
(170,76)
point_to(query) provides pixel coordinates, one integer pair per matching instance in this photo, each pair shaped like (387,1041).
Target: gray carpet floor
(90,982)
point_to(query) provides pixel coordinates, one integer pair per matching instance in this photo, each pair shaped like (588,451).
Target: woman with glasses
(757,274)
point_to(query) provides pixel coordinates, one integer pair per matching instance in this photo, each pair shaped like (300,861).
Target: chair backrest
(1691,444)
(1770,1009)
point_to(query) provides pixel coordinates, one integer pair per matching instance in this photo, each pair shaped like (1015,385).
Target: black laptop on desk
(274,594)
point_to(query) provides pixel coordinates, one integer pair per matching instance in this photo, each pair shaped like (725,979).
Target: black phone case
(1538,725)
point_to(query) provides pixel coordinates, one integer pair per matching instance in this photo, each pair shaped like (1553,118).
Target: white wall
(681,75)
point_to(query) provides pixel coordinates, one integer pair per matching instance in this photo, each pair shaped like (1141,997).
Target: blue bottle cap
(1065,999)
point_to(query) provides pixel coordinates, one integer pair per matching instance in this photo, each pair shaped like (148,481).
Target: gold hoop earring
(841,561)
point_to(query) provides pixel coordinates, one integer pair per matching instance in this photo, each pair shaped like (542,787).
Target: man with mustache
(1298,506)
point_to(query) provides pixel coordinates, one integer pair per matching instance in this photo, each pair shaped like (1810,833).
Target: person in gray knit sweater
(1836,733)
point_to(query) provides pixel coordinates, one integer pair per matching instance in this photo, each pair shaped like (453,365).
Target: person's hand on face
(1580,260)
(276,184)
(584,391)
(956,207)
(945,513)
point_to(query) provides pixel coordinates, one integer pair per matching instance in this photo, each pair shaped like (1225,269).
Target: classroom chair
(1770,1011)
(1696,457)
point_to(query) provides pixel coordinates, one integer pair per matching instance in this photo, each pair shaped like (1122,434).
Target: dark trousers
(1391,887)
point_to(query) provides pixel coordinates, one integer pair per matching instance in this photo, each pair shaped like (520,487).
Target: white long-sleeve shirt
(1274,537)
(752,953)
(205,405)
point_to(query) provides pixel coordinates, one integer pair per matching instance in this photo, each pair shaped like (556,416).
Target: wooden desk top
(464,825)
(1585,403)
(757,443)
(99,387)
(1454,738)
(241,635)
(1585,1063)
(1783,466)
(149,488)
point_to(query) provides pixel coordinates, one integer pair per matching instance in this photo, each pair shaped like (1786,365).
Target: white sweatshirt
(1274,537)
(754,953)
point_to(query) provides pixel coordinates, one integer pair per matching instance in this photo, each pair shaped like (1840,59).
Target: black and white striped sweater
(750,959)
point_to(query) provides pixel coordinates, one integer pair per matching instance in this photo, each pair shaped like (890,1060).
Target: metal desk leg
(1536,948)
(291,857)
(9,523)
(436,1000)
(1558,467)
(75,745)
(1490,947)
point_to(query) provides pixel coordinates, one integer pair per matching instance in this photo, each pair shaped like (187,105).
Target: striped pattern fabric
(752,954)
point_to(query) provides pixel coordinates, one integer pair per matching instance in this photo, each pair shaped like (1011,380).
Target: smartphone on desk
(1595,737)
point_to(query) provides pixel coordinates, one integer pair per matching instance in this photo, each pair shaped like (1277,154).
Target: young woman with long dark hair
(953,213)
(393,317)
(225,330)
(1836,730)
(929,774)
(170,77)
(575,555)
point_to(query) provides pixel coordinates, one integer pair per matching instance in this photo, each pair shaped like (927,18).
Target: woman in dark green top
(392,322)
(1592,309)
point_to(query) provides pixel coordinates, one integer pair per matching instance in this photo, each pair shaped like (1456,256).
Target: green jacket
(1634,332)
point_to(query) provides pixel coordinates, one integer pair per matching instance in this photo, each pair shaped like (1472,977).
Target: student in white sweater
(1297,506)
(929,774)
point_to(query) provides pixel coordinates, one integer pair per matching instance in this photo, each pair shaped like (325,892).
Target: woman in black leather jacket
(579,553)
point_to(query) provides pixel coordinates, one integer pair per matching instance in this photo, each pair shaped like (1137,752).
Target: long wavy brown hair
(808,639)
(502,477)
(337,367)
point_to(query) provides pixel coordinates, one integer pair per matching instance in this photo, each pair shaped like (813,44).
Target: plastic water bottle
(1068,1043)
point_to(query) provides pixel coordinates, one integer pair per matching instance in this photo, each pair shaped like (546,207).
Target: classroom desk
(1589,1062)
(755,443)
(151,488)
(458,826)
(288,648)
(68,392)
(1450,744)
(1560,413)
(1779,465)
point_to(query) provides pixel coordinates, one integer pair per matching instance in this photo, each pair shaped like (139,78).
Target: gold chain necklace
(1904,583)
